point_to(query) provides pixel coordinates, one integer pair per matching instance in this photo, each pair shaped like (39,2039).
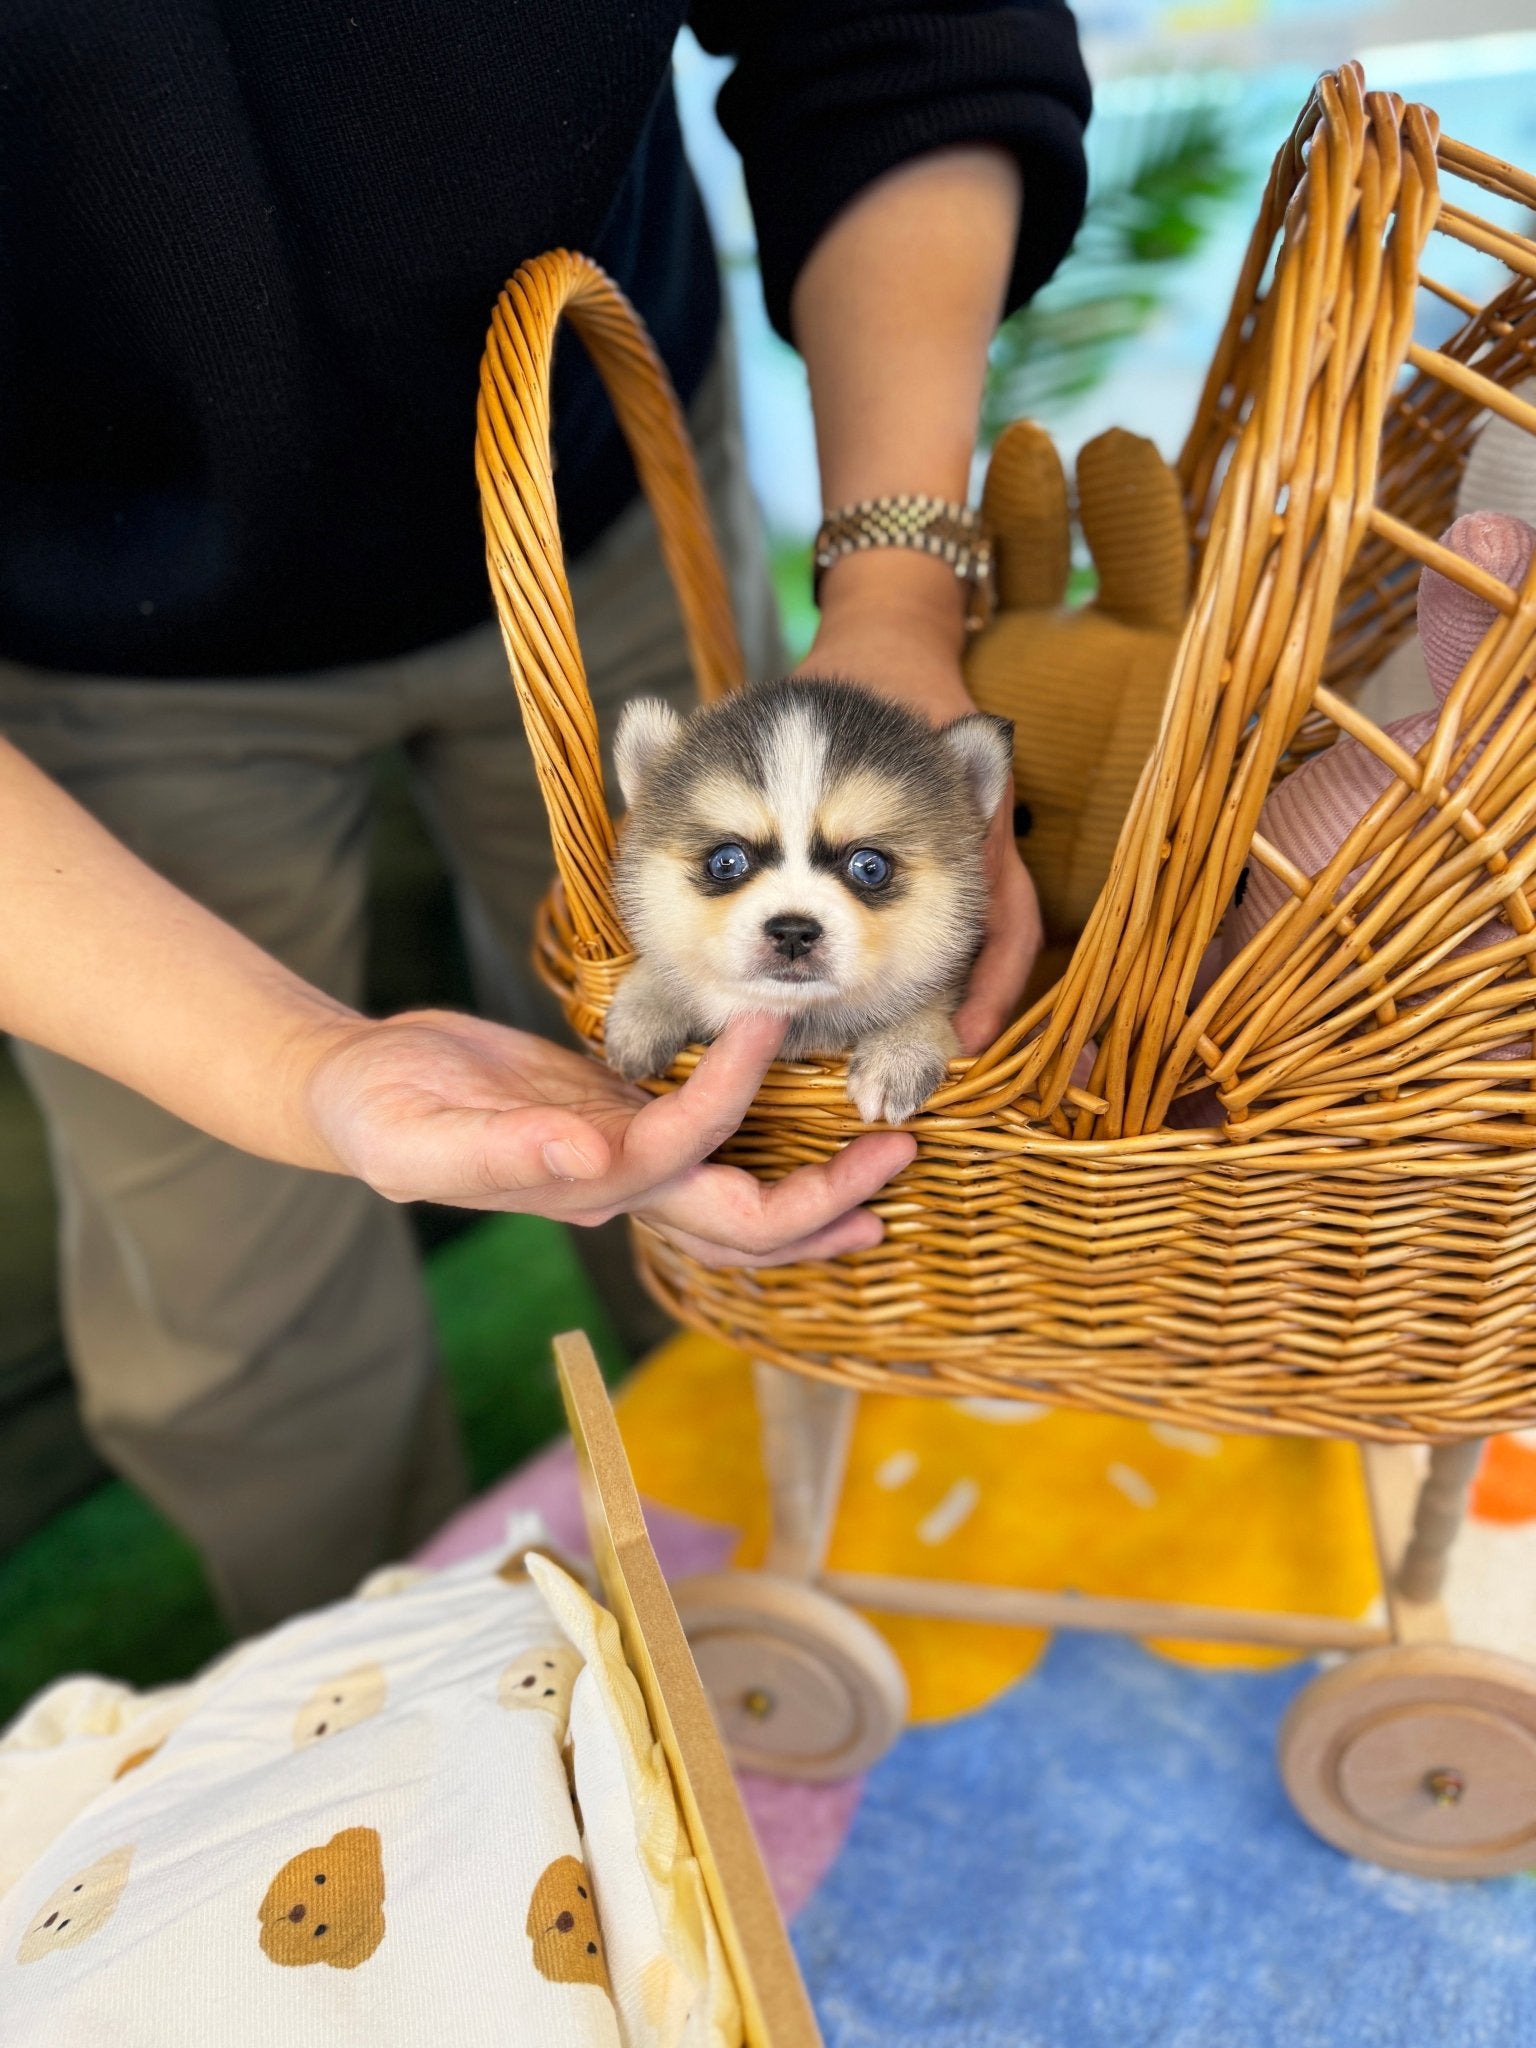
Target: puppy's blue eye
(869,869)
(727,864)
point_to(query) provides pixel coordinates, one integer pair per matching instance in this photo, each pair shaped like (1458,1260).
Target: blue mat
(1105,1858)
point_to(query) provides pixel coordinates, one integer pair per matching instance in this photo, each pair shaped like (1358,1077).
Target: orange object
(1505,1487)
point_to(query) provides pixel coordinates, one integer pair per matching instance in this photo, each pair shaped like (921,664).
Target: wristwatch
(934,526)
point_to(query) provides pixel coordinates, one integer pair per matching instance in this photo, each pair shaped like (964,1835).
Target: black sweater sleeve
(828,94)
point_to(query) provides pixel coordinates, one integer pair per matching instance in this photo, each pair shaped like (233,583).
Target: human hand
(893,620)
(432,1106)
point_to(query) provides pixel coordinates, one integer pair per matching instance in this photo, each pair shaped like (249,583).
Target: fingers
(528,1148)
(1132,516)
(484,1159)
(674,1132)
(525,1150)
(1006,960)
(551,1159)
(1024,505)
(860,1231)
(722,1206)
(997,982)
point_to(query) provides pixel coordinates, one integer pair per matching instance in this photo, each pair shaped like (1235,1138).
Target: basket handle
(515,468)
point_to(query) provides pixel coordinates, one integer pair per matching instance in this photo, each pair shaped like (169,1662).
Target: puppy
(811,849)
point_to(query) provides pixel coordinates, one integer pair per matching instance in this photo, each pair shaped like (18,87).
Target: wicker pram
(1346,1247)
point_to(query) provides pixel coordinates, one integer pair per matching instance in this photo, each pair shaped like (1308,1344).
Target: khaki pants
(251,1341)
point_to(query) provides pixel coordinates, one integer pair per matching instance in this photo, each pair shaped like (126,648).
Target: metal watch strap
(941,527)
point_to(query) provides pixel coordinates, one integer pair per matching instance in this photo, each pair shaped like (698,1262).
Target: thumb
(720,1089)
(675,1131)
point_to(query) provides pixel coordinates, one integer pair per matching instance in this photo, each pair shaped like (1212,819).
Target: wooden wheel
(1419,1756)
(802,1687)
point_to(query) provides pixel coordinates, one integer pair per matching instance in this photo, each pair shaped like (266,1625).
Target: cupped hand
(436,1107)
(892,621)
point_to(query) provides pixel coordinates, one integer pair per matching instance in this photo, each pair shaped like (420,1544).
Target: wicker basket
(1350,1250)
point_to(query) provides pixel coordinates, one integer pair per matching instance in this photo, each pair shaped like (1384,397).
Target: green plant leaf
(1150,210)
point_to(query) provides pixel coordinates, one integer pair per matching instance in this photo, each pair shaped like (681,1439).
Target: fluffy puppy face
(804,847)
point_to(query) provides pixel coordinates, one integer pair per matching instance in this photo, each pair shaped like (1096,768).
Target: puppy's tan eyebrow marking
(866,806)
(731,807)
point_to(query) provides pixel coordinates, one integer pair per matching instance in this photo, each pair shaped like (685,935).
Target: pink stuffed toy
(1310,815)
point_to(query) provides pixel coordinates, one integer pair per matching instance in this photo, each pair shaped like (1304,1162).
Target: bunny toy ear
(1024,508)
(1451,620)
(1132,513)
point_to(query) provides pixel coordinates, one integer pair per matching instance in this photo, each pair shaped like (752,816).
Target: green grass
(109,1586)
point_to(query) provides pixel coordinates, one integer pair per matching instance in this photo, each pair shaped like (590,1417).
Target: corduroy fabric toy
(1084,686)
(1308,816)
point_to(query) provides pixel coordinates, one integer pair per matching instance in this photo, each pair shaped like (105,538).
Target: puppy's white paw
(889,1083)
(642,1033)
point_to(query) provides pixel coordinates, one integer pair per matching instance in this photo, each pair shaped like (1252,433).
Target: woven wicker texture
(1348,1247)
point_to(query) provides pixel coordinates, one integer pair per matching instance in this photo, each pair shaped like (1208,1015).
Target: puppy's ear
(983,745)
(648,731)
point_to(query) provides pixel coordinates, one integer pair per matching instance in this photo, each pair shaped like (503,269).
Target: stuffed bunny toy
(1084,686)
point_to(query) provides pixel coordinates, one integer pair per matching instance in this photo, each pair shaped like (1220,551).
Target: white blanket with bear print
(433,1813)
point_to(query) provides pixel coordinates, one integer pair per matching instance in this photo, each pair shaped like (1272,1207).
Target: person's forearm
(894,312)
(104,961)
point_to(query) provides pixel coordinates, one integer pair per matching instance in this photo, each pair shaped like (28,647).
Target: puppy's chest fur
(810,849)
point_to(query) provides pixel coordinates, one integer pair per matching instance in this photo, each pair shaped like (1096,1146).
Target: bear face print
(543,1679)
(339,1705)
(326,1905)
(80,1907)
(562,1925)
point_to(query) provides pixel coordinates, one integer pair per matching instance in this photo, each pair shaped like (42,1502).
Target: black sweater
(248,250)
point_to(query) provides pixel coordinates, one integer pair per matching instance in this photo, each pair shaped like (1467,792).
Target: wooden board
(1098,1613)
(775,2010)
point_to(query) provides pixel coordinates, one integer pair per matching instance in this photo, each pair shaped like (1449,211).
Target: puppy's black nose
(792,934)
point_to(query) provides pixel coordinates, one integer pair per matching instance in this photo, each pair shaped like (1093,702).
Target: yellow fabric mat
(1009,1493)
